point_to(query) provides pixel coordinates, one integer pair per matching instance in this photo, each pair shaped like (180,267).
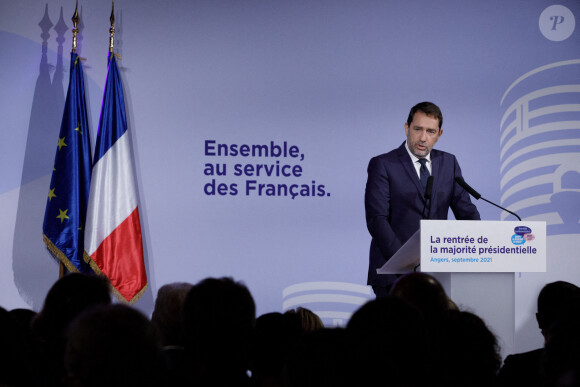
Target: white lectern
(475,261)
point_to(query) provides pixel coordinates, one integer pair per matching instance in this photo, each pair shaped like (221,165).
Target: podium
(475,262)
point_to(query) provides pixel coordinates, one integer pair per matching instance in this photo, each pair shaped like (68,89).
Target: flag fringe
(140,294)
(114,290)
(59,254)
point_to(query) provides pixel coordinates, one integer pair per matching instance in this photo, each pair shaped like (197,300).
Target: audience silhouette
(274,338)
(219,317)
(561,358)
(470,350)
(167,319)
(66,299)
(536,368)
(390,341)
(308,320)
(207,334)
(319,358)
(113,345)
(15,351)
(426,294)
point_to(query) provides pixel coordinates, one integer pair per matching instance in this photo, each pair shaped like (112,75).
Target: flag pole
(112,29)
(66,205)
(75,19)
(115,252)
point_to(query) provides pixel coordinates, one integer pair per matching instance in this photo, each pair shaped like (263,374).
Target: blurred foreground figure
(536,368)
(309,320)
(113,345)
(66,299)
(321,358)
(167,314)
(167,318)
(219,317)
(389,341)
(473,349)
(426,294)
(275,336)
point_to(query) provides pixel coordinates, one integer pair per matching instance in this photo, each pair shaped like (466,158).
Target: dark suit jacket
(394,202)
(522,369)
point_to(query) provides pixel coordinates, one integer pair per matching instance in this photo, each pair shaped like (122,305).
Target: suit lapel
(409,168)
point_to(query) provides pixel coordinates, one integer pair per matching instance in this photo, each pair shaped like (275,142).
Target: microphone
(467,187)
(477,196)
(428,192)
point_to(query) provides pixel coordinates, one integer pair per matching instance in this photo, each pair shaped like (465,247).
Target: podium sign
(483,246)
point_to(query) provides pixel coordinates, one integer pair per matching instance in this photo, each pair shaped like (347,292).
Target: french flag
(113,242)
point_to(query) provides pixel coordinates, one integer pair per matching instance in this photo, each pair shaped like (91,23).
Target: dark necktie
(424,173)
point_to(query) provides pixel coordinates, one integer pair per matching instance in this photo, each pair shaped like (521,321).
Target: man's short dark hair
(219,316)
(429,108)
(554,301)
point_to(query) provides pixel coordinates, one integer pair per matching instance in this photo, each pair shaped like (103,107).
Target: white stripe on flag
(113,194)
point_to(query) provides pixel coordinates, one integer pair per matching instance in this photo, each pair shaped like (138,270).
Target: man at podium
(407,184)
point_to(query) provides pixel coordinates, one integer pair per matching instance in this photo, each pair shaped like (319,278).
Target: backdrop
(319,87)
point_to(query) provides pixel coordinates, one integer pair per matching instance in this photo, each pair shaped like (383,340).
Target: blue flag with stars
(66,205)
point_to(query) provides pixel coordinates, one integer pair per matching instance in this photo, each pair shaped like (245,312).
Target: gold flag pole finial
(112,29)
(75,31)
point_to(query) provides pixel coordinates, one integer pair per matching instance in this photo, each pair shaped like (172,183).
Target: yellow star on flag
(62,216)
(78,128)
(51,194)
(61,143)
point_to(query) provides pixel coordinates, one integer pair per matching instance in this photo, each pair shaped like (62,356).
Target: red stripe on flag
(120,257)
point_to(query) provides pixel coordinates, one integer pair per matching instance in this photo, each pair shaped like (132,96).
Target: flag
(66,205)
(113,243)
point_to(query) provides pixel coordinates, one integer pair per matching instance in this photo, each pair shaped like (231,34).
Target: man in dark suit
(395,191)
(541,366)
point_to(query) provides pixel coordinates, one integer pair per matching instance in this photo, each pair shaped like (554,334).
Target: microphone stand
(477,196)
(428,192)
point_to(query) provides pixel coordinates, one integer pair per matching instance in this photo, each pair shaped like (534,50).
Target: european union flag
(66,205)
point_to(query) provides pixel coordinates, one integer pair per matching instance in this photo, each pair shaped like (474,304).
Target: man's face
(422,134)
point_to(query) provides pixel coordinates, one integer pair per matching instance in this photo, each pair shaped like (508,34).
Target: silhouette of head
(308,319)
(113,345)
(68,297)
(389,334)
(167,314)
(474,350)
(423,292)
(219,316)
(554,300)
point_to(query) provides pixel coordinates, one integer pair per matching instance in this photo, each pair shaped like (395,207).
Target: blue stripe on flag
(113,121)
